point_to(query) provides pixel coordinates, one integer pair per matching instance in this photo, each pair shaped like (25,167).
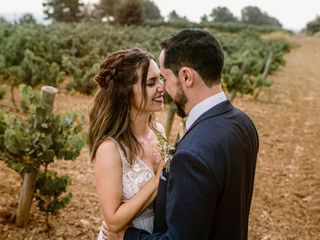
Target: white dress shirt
(204,106)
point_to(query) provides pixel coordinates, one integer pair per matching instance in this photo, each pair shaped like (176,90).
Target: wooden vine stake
(29,179)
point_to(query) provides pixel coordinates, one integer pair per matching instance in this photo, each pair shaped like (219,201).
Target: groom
(208,192)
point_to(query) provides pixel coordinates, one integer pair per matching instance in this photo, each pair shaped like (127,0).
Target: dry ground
(286,200)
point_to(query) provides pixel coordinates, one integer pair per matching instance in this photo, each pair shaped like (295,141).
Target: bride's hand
(158,160)
(107,234)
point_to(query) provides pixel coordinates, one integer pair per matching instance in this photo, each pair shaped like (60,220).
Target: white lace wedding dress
(133,178)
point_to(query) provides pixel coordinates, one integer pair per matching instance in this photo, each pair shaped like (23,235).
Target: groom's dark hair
(197,49)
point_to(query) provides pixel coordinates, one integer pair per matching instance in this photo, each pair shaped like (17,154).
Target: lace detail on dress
(134,177)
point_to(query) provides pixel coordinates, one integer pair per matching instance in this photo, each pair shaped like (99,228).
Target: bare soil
(286,199)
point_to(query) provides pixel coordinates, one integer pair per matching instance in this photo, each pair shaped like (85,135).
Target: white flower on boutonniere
(166,149)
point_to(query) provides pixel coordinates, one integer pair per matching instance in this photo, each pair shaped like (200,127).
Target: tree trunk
(29,179)
(13,100)
(48,94)
(170,117)
(233,94)
(265,73)
(25,200)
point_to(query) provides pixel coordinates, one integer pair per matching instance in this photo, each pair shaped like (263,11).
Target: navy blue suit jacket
(207,194)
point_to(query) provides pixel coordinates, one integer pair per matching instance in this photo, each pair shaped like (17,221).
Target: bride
(123,139)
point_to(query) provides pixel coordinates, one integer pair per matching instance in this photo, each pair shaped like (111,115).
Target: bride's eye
(150,84)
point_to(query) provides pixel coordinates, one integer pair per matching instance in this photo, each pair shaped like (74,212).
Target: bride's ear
(186,76)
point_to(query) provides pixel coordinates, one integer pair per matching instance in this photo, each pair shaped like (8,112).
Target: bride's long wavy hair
(110,113)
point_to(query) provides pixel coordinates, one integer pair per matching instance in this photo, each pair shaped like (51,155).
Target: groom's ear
(186,76)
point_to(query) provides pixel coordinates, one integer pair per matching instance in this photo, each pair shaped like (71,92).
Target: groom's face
(173,87)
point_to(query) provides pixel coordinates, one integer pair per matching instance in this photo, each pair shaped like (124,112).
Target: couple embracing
(207,192)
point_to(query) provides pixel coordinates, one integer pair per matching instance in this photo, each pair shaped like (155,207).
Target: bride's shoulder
(108,149)
(160,128)
(108,144)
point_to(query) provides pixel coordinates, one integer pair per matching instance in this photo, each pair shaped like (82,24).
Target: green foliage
(89,52)
(223,20)
(49,190)
(176,20)
(2,94)
(151,11)
(253,15)
(63,10)
(129,12)
(27,19)
(204,19)
(314,26)
(25,56)
(35,70)
(35,141)
(246,59)
(17,144)
(106,8)
(3,20)
(84,83)
(222,14)
(36,54)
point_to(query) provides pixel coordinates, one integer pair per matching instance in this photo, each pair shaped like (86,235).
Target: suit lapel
(214,111)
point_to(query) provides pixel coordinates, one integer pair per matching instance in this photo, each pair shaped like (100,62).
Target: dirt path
(286,201)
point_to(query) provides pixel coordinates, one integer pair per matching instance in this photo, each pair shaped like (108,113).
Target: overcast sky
(293,14)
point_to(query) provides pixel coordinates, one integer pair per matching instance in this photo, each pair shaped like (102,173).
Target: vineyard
(285,201)
(36,54)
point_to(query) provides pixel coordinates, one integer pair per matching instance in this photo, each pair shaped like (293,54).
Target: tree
(151,11)
(27,18)
(107,9)
(314,26)
(253,15)
(222,14)
(63,10)
(129,12)
(31,143)
(274,22)
(90,13)
(204,19)
(3,20)
(174,17)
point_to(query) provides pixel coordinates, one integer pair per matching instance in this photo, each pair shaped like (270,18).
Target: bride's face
(154,90)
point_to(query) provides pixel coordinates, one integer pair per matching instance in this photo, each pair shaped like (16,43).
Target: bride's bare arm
(108,174)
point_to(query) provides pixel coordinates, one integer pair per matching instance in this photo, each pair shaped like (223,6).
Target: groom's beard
(180,100)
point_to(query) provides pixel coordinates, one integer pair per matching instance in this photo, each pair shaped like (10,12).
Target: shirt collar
(204,106)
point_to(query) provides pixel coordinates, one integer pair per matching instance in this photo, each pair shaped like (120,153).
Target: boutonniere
(166,149)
